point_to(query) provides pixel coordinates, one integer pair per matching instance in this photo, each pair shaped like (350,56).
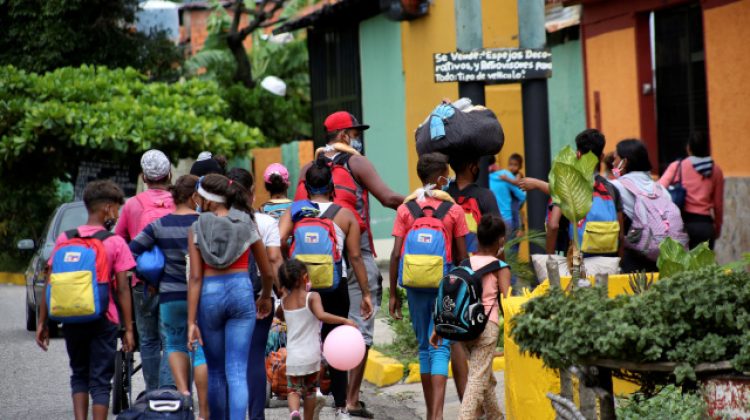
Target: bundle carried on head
(460,128)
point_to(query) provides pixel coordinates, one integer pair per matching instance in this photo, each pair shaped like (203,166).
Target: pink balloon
(344,347)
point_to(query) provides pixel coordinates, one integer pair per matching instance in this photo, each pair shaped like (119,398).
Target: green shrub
(669,403)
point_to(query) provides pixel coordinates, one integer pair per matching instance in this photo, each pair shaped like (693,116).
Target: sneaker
(295,416)
(342,414)
(320,402)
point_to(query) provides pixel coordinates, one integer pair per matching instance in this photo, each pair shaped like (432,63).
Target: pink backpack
(655,218)
(153,208)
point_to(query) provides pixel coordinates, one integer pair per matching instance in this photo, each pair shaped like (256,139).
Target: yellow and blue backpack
(426,252)
(599,232)
(314,243)
(78,288)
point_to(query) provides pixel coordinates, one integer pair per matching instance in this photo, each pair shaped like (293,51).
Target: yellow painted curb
(12,278)
(498,364)
(383,371)
(413,376)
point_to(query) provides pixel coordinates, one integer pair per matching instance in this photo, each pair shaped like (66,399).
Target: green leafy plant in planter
(571,184)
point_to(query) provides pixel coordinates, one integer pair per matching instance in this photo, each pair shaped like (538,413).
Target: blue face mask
(447,184)
(198,209)
(357,144)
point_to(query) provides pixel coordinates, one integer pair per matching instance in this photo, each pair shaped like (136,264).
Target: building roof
(327,11)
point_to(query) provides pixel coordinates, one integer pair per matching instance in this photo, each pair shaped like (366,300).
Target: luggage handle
(162,406)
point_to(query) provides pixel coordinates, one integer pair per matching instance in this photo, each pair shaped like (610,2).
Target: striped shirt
(170,234)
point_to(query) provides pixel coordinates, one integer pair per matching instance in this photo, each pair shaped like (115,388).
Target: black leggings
(700,228)
(337,303)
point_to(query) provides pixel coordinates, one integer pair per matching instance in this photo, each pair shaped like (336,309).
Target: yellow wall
(611,69)
(726,31)
(500,30)
(421,38)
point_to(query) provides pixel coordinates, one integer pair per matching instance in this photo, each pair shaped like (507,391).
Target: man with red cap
(354,177)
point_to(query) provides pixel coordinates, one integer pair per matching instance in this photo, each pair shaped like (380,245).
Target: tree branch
(238,8)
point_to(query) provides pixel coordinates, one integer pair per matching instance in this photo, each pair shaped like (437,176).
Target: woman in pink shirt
(704,182)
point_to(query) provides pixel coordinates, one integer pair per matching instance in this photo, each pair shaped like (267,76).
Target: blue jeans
(156,372)
(256,369)
(226,317)
(173,329)
(432,361)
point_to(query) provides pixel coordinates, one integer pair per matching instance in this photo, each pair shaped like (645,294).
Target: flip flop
(362,411)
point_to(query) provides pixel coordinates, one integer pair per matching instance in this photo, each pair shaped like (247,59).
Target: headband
(319,190)
(210,196)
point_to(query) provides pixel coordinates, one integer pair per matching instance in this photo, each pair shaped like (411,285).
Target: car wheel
(30,318)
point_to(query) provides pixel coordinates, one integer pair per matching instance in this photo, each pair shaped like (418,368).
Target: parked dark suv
(67,216)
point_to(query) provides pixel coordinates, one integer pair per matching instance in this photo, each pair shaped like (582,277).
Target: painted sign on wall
(499,65)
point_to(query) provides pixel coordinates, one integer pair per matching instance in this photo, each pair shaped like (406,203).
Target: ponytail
(238,190)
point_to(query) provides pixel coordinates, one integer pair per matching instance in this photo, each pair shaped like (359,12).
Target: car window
(71,218)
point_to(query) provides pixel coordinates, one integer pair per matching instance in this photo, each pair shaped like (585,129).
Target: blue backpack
(78,288)
(314,243)
(426,252)
(459,314)
(599,231)
(275,208)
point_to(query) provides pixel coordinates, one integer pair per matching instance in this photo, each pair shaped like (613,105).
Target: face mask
(617,172)
(109,224)
(356,144)
(308,286)
(447,184)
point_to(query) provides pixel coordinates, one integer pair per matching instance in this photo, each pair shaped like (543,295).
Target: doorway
(679,65)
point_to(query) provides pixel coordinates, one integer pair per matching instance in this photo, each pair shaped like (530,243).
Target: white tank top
(302,340)
(340,237)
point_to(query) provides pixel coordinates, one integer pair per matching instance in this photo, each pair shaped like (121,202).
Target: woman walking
(221,309)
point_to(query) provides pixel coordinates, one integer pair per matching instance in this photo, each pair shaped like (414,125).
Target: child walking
(429,227)
(91,341)
(480,389)
(303,311)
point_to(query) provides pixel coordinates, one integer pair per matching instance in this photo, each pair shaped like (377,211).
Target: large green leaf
(571,183)
(673,258)
(701,256)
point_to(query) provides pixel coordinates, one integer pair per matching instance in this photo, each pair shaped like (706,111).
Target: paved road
(34,384)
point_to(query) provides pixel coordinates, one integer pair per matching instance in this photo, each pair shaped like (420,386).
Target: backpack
(276,372)
(152,209)
(275,208)
(426,251)
(459,313)
(473,215)
(655,218)
(599,231)
(78,288)
(314,243)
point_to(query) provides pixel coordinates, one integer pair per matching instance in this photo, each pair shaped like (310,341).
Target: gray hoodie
(222,240)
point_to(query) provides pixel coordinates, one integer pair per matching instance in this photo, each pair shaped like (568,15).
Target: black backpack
(459,314)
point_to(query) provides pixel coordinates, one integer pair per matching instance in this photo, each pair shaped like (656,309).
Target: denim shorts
(173,329)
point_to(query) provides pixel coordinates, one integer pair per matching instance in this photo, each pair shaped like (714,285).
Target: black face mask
(109,224)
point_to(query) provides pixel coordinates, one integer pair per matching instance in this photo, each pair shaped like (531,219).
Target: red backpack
(473,215)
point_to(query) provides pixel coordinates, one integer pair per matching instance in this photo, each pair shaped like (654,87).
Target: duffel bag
(475,131)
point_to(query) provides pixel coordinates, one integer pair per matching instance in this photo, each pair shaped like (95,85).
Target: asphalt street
(35,384)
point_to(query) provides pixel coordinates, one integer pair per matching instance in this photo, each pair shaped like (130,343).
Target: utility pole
(468,38)
(531,34)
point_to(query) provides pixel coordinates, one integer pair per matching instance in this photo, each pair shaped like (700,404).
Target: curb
(381,370)
(12,278)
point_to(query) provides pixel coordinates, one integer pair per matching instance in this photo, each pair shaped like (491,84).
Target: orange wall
(261,159)
(611,70)
(420,39)
(726,34)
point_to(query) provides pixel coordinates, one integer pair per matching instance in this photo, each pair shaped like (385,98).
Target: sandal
(362,411)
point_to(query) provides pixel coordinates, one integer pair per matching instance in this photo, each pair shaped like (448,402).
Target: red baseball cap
(342,120)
